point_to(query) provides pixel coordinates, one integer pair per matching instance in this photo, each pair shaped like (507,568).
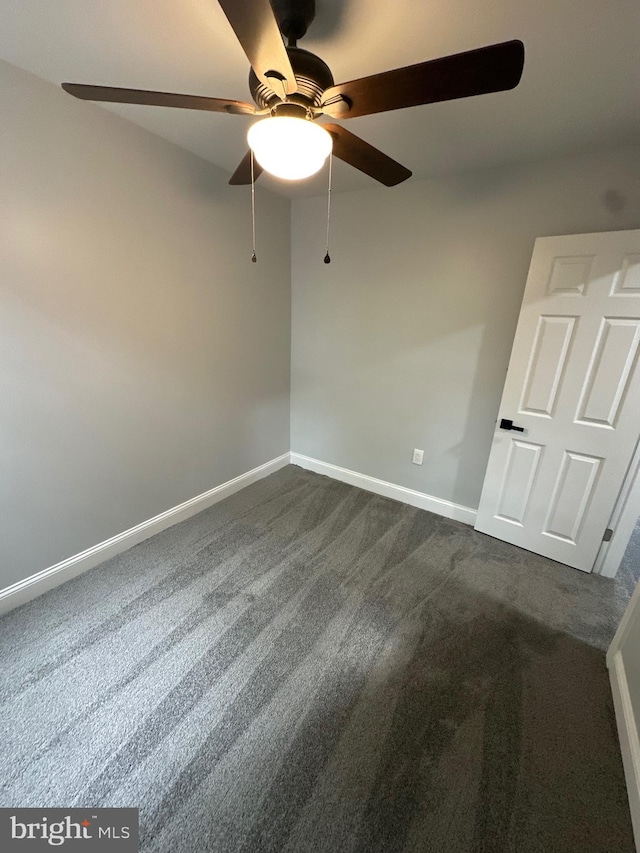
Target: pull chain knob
(327,258)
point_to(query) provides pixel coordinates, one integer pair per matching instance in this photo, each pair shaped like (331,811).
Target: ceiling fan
(292,87)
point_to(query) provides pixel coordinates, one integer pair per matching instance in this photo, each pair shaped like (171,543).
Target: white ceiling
(580,88)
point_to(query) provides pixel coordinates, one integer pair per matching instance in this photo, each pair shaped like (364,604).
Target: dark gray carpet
(309,667)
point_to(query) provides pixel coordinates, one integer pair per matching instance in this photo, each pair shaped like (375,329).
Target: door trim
(623,520)
(628,736)
(625,717)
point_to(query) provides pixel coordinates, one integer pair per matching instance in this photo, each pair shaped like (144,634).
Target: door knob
(507,424)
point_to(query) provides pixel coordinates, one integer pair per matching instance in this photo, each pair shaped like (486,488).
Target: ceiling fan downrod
(294,18)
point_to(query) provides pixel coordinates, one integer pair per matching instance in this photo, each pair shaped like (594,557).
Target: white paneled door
(569,418)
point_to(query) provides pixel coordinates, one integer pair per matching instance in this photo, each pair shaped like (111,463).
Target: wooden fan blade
(356,152)
(257,30)
(157,99)
(242,174)
(476,72)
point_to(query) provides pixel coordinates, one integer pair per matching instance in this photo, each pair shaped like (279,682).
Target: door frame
(623,520)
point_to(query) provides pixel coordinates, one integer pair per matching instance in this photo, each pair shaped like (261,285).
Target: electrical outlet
(418,456)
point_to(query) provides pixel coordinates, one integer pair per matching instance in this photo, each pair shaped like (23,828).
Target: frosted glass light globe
(289,148)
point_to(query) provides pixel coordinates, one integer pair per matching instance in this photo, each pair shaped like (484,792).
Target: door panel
(628,281)
(515,492)
(547,364)
(573,387)
(572,495)
(614,357)
(569,275)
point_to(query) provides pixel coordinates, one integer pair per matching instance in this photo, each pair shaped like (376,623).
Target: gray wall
(404,340)
(143,358)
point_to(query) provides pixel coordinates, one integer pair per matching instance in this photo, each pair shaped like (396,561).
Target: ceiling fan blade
(356,152)
(256,28)
(242,174)
(157,99)
(475,72)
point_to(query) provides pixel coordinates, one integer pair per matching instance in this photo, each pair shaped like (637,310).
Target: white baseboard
(628,735)
(33,586)
(388,490)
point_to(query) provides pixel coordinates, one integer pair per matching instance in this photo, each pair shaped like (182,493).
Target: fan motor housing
(313,76)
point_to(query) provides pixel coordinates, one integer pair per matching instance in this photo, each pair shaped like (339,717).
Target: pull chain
(253,213)
(327,257)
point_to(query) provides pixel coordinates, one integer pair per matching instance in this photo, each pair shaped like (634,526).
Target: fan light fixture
(288,147)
